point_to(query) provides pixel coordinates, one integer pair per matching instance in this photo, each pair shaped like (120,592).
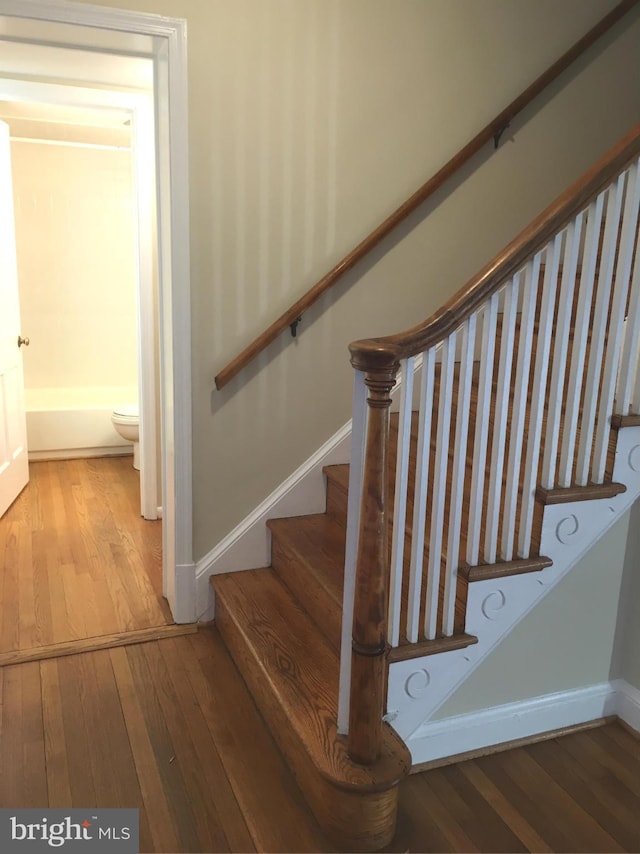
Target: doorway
(61,27)
(84,183)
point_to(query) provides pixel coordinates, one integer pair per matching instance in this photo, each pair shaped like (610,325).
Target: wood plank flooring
(170,728)
(76,558)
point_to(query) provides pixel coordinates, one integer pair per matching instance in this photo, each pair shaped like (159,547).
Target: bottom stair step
(292,672)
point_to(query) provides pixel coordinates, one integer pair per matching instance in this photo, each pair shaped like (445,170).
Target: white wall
(76,264)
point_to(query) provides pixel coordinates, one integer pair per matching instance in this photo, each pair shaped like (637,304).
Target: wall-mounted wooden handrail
(492,131)
(377,354)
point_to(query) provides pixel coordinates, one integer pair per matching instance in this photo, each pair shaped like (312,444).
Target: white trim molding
(248,545)
(81,453)
(86,15)
(184,610)
(525,719)
(628,703)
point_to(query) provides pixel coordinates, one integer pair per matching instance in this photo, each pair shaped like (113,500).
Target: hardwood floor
(76,559)
(169,727)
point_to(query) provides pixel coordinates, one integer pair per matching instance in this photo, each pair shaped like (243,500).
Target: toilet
(126,420)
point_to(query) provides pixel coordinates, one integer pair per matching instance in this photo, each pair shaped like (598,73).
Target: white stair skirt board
(417,688)
(512,721)
(248,545)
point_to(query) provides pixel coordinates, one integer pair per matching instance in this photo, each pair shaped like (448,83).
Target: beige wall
(566,642)
(76,265)
(310,120)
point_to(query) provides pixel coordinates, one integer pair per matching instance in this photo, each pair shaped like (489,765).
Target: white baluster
(483,408)
(580,338)
(635,355)
(420,496)
(354,503)
(616,323)
(543,348)
(439,484)
(519,408)
(400,499)
(598,332)
(498,445)
(458,474)
(625,398)
(560,351)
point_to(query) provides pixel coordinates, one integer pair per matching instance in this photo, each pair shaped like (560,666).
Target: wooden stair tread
(620,421)
(318,543)
(431,647)
(283,649)
(307,553)
(591,491)
(504,569)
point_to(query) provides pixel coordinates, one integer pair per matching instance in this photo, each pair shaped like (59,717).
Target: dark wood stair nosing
(590,492)
(620,421)
(504,569)
(406,652)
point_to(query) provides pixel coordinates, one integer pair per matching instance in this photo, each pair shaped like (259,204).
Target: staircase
(457,514)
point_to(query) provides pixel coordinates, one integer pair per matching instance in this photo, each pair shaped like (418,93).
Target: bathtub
(75,422)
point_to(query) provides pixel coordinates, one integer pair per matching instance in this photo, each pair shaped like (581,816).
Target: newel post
(369,639)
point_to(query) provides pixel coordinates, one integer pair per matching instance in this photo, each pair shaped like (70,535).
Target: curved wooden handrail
(375,354)
(492,131)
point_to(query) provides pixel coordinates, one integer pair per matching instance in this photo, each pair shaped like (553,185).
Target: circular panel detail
(493,604)
(567,528)
(417,684)
(634,458)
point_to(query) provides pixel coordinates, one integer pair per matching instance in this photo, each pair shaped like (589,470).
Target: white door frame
(168,52)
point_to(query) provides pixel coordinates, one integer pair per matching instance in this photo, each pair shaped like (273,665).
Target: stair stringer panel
(419,687)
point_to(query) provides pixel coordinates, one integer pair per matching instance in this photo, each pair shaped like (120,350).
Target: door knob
(22,341)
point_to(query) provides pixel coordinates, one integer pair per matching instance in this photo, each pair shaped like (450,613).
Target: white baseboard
(248,545)
(183,600)
(499,724)
(80,453)
(628,704)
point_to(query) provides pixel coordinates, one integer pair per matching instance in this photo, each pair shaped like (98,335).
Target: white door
(14,467)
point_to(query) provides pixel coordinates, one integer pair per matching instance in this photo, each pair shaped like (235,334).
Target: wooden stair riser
(337,496)
(297,572)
